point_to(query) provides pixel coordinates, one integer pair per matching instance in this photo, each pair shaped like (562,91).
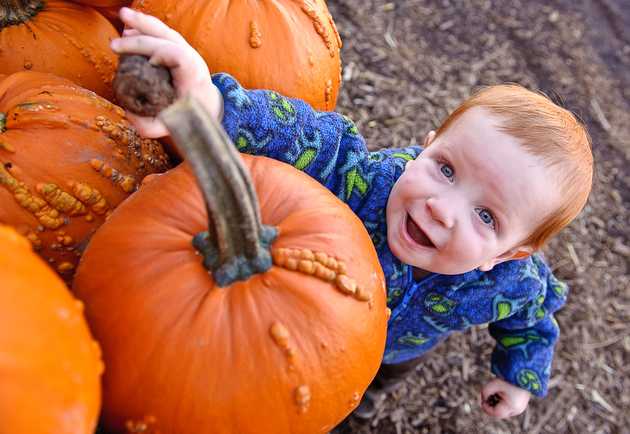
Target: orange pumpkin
(261,335)
(49,365)
(104,3)
(109,9)
(67,159)
(286,45)
(59,37)
(111,13)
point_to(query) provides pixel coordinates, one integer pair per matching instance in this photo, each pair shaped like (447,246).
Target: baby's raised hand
(501,399)
(148,36)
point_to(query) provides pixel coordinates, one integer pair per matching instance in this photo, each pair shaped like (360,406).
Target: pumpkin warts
(321,266)
(82,139)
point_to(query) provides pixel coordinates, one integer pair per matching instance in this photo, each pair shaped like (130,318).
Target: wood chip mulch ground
(407,63)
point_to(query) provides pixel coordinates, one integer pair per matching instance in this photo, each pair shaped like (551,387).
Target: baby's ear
(428,138)
(520,252)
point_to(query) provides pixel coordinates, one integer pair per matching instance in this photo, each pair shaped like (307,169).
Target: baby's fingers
(150,128)
(171,56)
(187,67)
(149,25)
(138,44)
(131,32)
(500,410)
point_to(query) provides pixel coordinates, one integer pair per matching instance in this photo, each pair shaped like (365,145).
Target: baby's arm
(325,145)
(525,346)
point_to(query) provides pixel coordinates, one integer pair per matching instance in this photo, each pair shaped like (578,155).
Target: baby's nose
(441,212)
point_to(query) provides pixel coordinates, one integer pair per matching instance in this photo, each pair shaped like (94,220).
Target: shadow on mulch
(406,65)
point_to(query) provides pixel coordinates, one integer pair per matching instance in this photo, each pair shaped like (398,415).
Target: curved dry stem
(238,244)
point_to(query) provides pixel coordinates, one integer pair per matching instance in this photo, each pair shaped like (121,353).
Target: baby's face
(469,200)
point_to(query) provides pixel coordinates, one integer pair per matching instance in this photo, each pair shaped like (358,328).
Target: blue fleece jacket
(516,298)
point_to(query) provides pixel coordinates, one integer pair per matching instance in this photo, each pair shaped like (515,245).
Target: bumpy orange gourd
(49,365)
(290,46)
(111,13)
(67,159)
(289,350)
(59,37)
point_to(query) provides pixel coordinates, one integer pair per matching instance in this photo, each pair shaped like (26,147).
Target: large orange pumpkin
(67,159)
(49,365)
(190,348)
(60,37)
(286,45)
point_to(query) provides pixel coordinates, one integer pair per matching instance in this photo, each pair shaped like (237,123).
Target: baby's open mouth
(417,234)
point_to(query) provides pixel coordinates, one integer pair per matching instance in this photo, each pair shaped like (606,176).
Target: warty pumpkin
(59,37)
(111,13)
(290,46)
(67,158)
(222,324)
(49,364)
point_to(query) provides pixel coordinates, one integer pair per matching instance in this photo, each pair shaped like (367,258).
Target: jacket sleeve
(325,145)
(526,340)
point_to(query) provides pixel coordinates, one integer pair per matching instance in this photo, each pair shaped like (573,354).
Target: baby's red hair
(549,132)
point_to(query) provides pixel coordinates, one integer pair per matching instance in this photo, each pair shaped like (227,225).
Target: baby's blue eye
(447,171)
(485,216)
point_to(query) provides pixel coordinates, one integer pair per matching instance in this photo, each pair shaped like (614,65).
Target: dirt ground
(407,63)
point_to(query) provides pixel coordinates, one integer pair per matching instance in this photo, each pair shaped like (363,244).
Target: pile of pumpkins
(111,311)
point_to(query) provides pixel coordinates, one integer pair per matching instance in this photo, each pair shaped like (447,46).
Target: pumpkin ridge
(62,89)
(105,76)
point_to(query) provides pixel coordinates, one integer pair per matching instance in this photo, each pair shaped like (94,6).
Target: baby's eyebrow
(446,152)
(496,194)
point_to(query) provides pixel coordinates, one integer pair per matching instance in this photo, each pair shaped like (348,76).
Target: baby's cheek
(416,187)
(470,253)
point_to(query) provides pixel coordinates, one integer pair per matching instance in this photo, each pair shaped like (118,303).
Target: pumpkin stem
(14,12)
(3,122)
(142,88)
(238,246)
